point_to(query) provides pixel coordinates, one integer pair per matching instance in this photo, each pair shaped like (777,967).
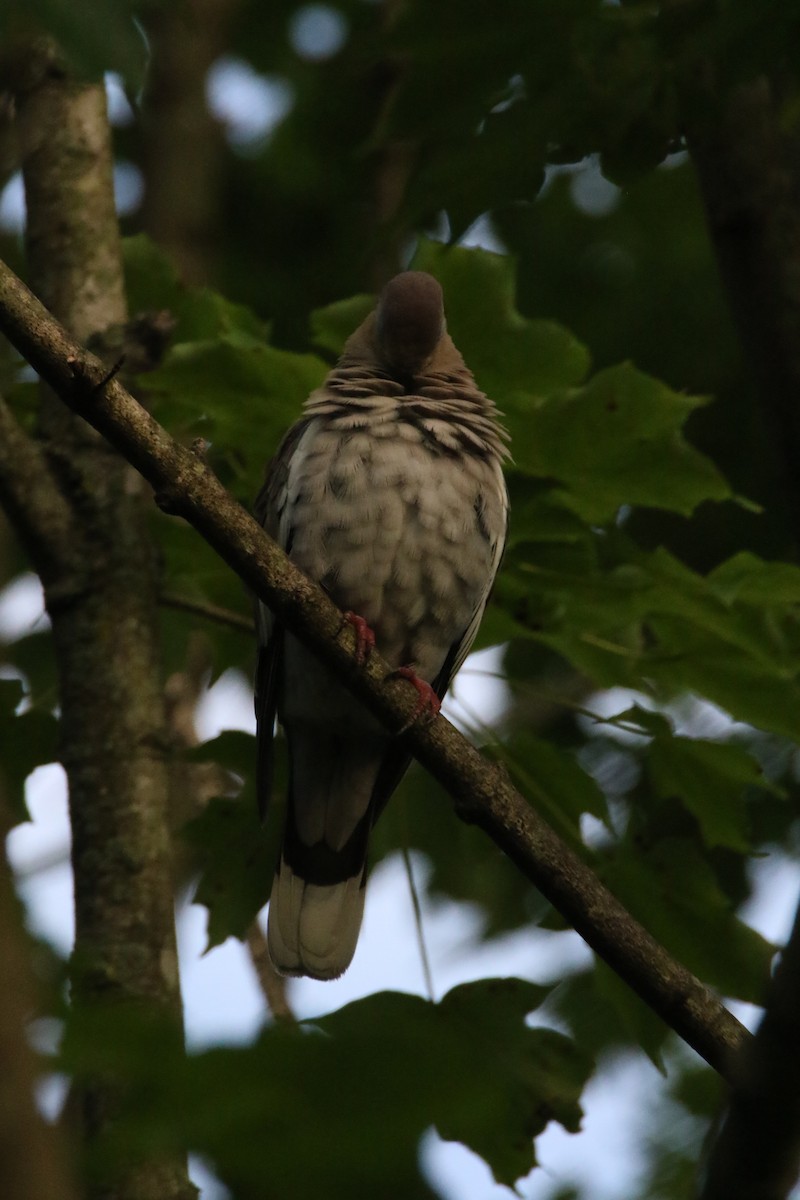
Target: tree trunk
(114,743)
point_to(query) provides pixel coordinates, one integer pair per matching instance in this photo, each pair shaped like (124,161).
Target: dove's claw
(428,703)
(365,638)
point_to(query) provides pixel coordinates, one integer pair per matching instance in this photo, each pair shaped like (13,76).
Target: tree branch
(482,792)
(745,151)
(757,1153)
(183,145)
(273,986)
(35,506)
(209,612)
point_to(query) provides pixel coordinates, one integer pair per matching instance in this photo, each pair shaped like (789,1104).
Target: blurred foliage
(649,550)
(469,1064)
(89,46)
(28,736)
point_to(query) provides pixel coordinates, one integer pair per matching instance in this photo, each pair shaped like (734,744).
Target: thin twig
(209,612)
(415,904)
(273,985)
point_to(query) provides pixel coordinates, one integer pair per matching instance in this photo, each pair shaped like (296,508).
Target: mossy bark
(114,742)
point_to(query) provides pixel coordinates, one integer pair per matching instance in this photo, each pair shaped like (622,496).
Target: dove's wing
(269,510)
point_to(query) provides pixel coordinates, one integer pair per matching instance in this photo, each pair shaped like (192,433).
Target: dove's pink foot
(428,703)
(365,638)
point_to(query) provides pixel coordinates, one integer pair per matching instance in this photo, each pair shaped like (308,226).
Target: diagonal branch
(482,792)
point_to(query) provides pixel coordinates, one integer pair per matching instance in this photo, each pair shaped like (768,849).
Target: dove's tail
(313,928)
(317,899)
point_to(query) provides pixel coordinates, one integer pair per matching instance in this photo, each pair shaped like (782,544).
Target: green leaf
(192,569)
(236,855)
(236,392)
(674,892)
(710,779)
(594,75)
(512,357)
(604,1015)
(635,1020)
(114,44)
(646,621)
(331,326)
(202,314)
(504,1080)
(493,173)
(465,864)
(747,579)
(553,782)
(529,1076)
(616,442)
(391,1062)
(33,656)
(29,740)
(643,720)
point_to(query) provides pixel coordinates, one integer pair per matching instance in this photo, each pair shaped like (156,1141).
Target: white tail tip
(313,929)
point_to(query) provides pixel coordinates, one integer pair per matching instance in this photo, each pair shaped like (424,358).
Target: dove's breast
(398,529)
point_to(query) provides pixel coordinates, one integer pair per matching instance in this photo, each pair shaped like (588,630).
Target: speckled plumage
(389,492)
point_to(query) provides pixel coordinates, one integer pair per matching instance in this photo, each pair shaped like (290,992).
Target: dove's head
(409,320)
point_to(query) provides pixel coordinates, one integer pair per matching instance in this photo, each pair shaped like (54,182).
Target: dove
(389,492)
